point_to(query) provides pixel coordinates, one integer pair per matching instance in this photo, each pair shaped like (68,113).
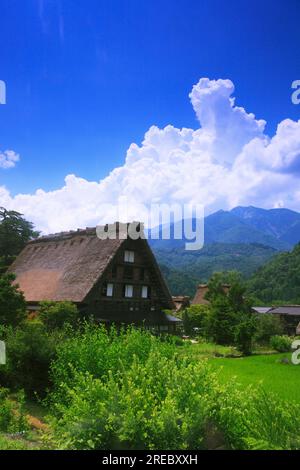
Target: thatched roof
(202,289)
(63,266)
(181,302)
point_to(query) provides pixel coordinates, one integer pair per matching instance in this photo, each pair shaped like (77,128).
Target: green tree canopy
(231,320)
(12,302)
(15,232)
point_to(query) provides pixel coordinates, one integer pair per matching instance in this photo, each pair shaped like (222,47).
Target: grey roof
(286,310)
(171,318)
(262,309)
(282,310)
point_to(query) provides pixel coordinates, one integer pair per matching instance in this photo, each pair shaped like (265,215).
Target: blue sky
(86,78)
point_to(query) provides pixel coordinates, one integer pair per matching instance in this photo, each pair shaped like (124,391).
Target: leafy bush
(29,352)
(58,314)
(12,418)
(281,343)
(155,405)
(97,351)
(195,317)
(244,333)
(268,325)
(172,339)
(132,391)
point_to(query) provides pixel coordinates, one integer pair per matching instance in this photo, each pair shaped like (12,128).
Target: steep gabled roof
(63,266)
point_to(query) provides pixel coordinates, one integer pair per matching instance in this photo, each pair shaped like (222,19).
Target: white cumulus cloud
(8,159)
(228,160)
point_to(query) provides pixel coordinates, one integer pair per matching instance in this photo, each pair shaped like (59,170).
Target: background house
(289,314)
(202,289)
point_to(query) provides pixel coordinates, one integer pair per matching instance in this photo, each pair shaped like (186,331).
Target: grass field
(268,370)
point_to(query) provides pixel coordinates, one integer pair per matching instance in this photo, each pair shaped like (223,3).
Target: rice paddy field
(274,372)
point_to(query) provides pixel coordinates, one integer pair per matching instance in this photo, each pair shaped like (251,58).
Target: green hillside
(183,270)
(279,279)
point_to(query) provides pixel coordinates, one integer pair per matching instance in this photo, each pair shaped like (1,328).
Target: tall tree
(12,301)
(15,232)
(231,320)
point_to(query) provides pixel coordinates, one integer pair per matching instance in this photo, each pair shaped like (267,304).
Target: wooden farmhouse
(114,280)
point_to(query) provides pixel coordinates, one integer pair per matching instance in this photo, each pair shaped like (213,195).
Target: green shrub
(97,351)
(194,319)
(172,339)
(244,333)
(132,391)
(268,325)
(58,314)
(156,404)
(281,343)
(29,352)
(12,418)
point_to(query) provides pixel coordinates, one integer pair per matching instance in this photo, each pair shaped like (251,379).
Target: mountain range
(242,239)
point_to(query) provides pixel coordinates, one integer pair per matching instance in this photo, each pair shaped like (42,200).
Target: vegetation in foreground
(131,390)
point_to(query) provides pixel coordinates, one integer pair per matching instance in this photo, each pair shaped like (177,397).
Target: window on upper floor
(129,256)
(108,289)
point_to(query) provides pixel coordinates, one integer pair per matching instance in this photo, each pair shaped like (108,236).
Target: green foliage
(29,352)
(230,320)
(132,391)
(15,232)
(279,279)
(244,333)
(12,418)
(12,302)
(281,343)
(7,443)
(152,405)
(57,314)
(221,322)
(253,419)
(194,319)
(96,351)
(267,326)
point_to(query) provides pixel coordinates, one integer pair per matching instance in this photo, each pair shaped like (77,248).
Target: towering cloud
(227,161)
